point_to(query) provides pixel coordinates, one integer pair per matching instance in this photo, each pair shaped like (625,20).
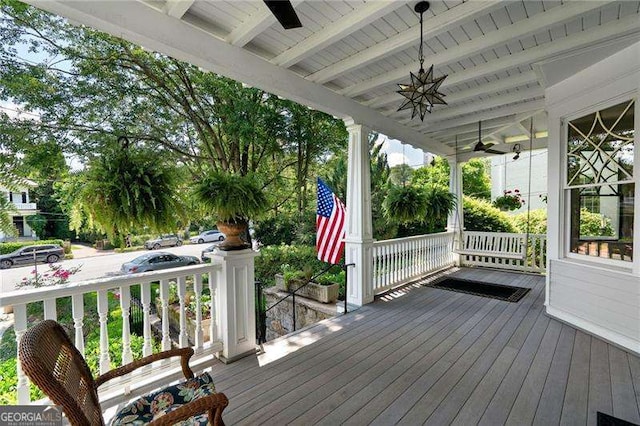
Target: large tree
(86,88)
(476,180)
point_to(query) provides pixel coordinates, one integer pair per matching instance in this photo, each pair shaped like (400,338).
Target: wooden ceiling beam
(348,24)
(497,113)
(480,90)
(434,25)
(257,23)
(480,105)
(520,29)
(177,8)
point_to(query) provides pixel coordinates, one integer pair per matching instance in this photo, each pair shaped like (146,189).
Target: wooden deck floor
(429,356)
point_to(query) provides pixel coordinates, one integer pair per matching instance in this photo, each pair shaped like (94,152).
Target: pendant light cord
(526,242)
(420,49)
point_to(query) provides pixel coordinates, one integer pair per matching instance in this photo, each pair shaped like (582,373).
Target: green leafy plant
(480,215)
(231,198)
(37,222)
(405,204)
(510,200)
(127,188)
(440,202)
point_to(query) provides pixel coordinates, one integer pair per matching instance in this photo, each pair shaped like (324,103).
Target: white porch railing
(536,255)
(25,206)
(154,375)
(401,260)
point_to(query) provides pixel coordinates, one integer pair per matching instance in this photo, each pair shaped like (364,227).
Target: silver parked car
(157,261)
(48,253)
(166,240)
(207,237)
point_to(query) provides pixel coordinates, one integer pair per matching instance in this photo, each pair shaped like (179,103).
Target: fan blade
(481,146)
(284,13)
(493,151)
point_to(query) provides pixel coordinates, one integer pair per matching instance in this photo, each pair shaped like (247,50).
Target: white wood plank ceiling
(349,56)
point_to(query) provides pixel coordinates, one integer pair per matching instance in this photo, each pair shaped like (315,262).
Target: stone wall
(280,318)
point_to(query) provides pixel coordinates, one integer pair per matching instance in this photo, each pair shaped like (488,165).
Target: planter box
(174,322)
(321,293)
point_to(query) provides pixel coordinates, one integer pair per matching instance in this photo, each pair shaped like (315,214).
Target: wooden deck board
(550,405)
(574,410)
(622,392)
(437,357)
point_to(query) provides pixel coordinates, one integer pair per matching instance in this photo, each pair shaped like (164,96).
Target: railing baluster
(197,289)
(50,311)
(145,296)
(20,326)
(213,307)
(183,338)
(77,311)
(164,300)
(125,305)
(103,313)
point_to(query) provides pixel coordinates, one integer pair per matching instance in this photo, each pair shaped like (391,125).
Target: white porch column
(359,233)
(455,221)
(236,294)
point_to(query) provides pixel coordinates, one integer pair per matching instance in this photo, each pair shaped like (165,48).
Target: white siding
(603,299)
(606,302)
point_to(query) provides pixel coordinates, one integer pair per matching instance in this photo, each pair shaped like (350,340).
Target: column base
(236,357)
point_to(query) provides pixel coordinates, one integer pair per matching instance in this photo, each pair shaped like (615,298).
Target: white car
(207,237)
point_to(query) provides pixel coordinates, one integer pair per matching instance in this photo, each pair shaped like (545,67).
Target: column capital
(353,126)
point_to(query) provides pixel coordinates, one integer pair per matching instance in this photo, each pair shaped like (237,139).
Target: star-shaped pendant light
(422,94)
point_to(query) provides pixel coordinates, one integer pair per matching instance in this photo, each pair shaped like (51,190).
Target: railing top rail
(415,237)
(505,234)
(37,294)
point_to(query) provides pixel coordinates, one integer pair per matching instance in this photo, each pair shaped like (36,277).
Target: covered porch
(417,354)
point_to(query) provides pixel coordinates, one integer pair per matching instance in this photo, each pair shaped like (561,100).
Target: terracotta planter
(232,232)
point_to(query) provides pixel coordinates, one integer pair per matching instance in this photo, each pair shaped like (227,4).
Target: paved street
(92,267)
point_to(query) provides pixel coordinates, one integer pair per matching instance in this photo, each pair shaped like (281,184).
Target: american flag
(329,225)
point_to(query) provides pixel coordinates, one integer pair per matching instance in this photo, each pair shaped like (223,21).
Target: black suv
(48,253)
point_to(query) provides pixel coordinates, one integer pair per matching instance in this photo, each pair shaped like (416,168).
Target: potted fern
(405,204)
(234,200)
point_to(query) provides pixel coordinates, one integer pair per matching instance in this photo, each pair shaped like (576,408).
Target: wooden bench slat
(504,255)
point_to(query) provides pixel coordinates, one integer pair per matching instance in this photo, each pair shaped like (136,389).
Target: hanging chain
(420,50)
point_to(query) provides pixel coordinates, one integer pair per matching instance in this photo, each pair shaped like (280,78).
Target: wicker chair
(53,363)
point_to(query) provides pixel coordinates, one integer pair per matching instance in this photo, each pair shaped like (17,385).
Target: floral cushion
(156,404)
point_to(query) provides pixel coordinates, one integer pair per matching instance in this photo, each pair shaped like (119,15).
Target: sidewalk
(81,251)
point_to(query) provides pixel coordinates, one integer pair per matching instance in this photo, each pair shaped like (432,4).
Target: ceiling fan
(482,147)
(284,12)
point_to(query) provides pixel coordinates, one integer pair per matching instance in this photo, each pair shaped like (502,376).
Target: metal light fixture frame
(422,94)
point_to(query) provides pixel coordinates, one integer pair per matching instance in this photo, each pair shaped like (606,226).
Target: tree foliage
(87,88)
(476,180)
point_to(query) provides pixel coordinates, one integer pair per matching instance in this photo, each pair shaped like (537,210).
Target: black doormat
(607,420)
(479,288)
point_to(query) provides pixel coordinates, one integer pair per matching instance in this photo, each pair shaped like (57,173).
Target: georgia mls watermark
(30,415)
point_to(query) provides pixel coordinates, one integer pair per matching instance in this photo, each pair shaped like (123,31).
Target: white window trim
(633,266)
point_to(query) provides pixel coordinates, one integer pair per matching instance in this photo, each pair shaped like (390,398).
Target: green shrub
(13,246)
(287,229)
(276,230)
(296,257)
(537,222)
(591,224)
(480,215)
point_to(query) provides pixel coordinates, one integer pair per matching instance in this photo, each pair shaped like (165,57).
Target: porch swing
(513,247)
